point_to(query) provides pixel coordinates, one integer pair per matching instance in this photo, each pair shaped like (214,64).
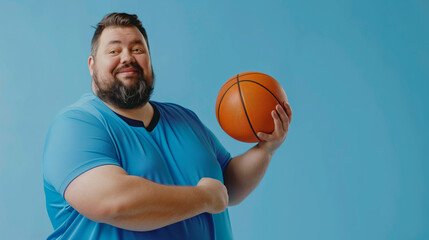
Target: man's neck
(143,113)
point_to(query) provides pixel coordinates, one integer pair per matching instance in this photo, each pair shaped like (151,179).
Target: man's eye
(137,50)
(114,52)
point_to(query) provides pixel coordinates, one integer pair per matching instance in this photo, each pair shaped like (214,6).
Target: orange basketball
(244,105)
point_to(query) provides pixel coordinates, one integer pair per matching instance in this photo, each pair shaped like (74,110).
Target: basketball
(244,105)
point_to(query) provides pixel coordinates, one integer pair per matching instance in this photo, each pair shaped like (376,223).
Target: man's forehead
(120,34)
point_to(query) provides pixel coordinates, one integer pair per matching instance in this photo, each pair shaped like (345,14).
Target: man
(118,166)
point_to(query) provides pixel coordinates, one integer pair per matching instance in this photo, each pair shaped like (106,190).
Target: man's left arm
(244,172)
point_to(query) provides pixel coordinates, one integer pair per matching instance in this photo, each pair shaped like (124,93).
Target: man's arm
(244,172)
(108,194)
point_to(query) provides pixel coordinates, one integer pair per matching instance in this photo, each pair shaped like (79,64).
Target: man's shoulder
(88,108)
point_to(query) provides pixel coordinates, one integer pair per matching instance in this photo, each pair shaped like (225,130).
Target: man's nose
(127,57)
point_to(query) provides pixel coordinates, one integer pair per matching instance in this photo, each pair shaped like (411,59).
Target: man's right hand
(215,193)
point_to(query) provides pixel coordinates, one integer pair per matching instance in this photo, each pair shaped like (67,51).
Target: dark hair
(116,19)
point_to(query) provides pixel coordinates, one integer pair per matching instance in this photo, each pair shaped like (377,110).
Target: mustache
(133,65)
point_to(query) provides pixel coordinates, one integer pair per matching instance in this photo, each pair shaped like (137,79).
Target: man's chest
(175,156)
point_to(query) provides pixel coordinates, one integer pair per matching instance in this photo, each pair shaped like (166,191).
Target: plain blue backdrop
(355,162)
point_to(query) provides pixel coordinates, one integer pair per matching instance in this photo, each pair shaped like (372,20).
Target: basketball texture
(244,105)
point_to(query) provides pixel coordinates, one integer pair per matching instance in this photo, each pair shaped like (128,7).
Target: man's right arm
(108,194)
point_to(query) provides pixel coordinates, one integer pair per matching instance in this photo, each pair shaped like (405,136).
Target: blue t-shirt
(175,149)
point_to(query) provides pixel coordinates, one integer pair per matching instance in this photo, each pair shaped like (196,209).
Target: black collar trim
(138,123)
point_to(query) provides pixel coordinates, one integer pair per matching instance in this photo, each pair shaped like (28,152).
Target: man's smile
(128,71)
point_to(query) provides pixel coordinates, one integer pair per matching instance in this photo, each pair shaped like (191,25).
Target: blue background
(355,163)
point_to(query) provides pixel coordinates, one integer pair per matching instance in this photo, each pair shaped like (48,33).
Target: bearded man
(118,165)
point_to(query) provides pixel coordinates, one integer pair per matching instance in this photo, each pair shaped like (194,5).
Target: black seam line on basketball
(265,89)
(220,103)
(244,107)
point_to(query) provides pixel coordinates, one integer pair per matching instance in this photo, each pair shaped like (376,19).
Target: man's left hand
(282,117)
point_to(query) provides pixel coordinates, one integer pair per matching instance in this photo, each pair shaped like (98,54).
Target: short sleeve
(76,142)
(223,156)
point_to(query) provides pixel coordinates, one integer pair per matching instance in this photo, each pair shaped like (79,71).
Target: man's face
(122,70)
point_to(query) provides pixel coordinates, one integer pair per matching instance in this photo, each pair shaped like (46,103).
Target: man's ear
(91,65)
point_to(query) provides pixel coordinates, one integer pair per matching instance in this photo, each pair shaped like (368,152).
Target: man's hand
(215,194)
(282,117)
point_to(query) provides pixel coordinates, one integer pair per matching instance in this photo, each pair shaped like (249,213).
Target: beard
(122,96)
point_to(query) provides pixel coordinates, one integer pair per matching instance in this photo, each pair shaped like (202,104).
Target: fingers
(278,119)
(282,116)
(278,127)
(288,110)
